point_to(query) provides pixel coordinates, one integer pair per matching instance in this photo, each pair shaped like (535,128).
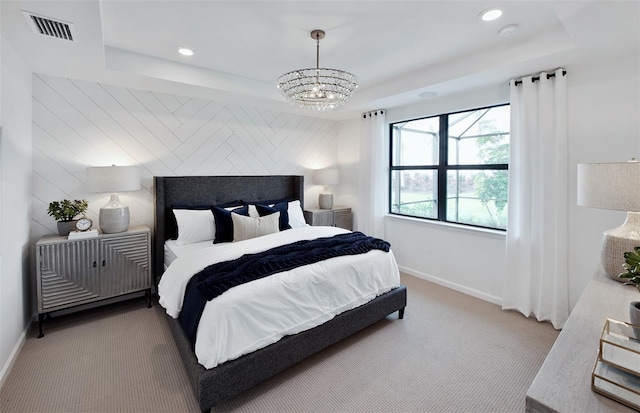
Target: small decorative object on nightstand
(114,216)
(326,177)
(72,272)
(338,216)
(65,211)
(83,229)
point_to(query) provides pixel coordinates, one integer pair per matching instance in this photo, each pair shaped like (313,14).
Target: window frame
(442,167)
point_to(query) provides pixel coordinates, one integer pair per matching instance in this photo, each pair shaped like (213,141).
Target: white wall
(348,156)
(604,126)
(15,188)
(459,258)
(78,124)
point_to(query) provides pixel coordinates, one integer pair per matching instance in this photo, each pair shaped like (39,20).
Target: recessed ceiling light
(490,14)
(185,51)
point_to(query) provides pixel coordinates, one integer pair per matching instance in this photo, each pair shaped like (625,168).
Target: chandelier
(318,88)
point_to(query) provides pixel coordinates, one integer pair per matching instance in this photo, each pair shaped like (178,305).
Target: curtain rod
(375,113)
(536,78)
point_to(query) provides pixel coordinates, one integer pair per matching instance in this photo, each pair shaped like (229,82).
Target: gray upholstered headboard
(205,191)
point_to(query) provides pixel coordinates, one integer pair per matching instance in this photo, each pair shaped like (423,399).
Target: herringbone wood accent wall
(77,124)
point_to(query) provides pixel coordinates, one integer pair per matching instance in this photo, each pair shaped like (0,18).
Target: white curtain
(373,179)
(536,281)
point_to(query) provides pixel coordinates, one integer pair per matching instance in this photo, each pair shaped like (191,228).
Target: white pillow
(296,216)
(194,225)
(252,227)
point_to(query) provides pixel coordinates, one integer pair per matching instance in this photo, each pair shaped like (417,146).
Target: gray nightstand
(337,216)
(80,271)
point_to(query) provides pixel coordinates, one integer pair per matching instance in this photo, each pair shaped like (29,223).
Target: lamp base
(114,217)
(616,242)
(325,201)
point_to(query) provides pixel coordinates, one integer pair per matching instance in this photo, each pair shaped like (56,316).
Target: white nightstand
(337,216)
(80,271)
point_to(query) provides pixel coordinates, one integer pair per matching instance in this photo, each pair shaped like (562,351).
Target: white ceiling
(398,49)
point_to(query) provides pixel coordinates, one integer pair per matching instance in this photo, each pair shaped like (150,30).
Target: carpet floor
(450,353)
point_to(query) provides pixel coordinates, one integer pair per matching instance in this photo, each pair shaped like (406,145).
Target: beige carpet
(451,353)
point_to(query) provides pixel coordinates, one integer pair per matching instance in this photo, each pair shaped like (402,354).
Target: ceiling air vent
(49,27)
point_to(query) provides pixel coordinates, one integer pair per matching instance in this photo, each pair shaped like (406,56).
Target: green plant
(66,210)
(632,267)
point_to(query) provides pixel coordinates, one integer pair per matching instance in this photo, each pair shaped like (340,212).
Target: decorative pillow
(224,222)
(282,208)
(252,227)
(252,204)
(253,212)
(194,225)
(296,216)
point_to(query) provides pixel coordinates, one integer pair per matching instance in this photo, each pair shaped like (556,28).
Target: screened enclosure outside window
(452,167)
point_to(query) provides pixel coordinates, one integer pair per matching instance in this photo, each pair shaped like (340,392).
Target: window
(452,167)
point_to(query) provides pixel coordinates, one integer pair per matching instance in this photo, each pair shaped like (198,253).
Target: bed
(215,385)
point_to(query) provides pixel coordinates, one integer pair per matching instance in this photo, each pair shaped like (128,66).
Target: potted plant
(632,273)
(65,211)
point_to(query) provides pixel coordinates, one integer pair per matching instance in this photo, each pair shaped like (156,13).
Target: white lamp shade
(327,176)
(609,186)
(113,178)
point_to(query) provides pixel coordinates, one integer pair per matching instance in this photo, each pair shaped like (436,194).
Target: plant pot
(634,316)
(65,227)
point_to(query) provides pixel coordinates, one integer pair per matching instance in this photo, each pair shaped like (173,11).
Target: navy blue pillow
(224,222)
(283,208)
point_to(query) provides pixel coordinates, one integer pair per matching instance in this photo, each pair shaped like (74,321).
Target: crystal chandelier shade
(318,88)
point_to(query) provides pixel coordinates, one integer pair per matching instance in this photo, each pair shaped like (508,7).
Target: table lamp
(326,177)
(114,216)
(613,186)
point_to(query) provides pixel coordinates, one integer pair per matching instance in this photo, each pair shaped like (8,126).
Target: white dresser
(563,383)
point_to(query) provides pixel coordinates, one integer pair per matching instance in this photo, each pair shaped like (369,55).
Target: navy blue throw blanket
(218,278)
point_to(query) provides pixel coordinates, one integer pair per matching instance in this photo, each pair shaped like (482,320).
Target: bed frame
(213,386)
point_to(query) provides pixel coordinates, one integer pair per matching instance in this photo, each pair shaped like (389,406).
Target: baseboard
(6,369)
(457,287)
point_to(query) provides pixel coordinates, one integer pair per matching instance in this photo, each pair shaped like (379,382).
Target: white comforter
(256,314)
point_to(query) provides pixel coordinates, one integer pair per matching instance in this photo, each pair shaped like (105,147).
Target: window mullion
(443,161)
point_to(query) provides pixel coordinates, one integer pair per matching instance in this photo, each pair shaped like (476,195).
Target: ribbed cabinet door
(324,218)
(125,264)
(67,274)
(343,219)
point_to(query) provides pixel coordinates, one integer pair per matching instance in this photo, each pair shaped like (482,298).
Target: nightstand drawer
(335,217)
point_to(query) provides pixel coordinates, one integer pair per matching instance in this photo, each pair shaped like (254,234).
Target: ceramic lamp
(114,216)
(326,177)
(613,186)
